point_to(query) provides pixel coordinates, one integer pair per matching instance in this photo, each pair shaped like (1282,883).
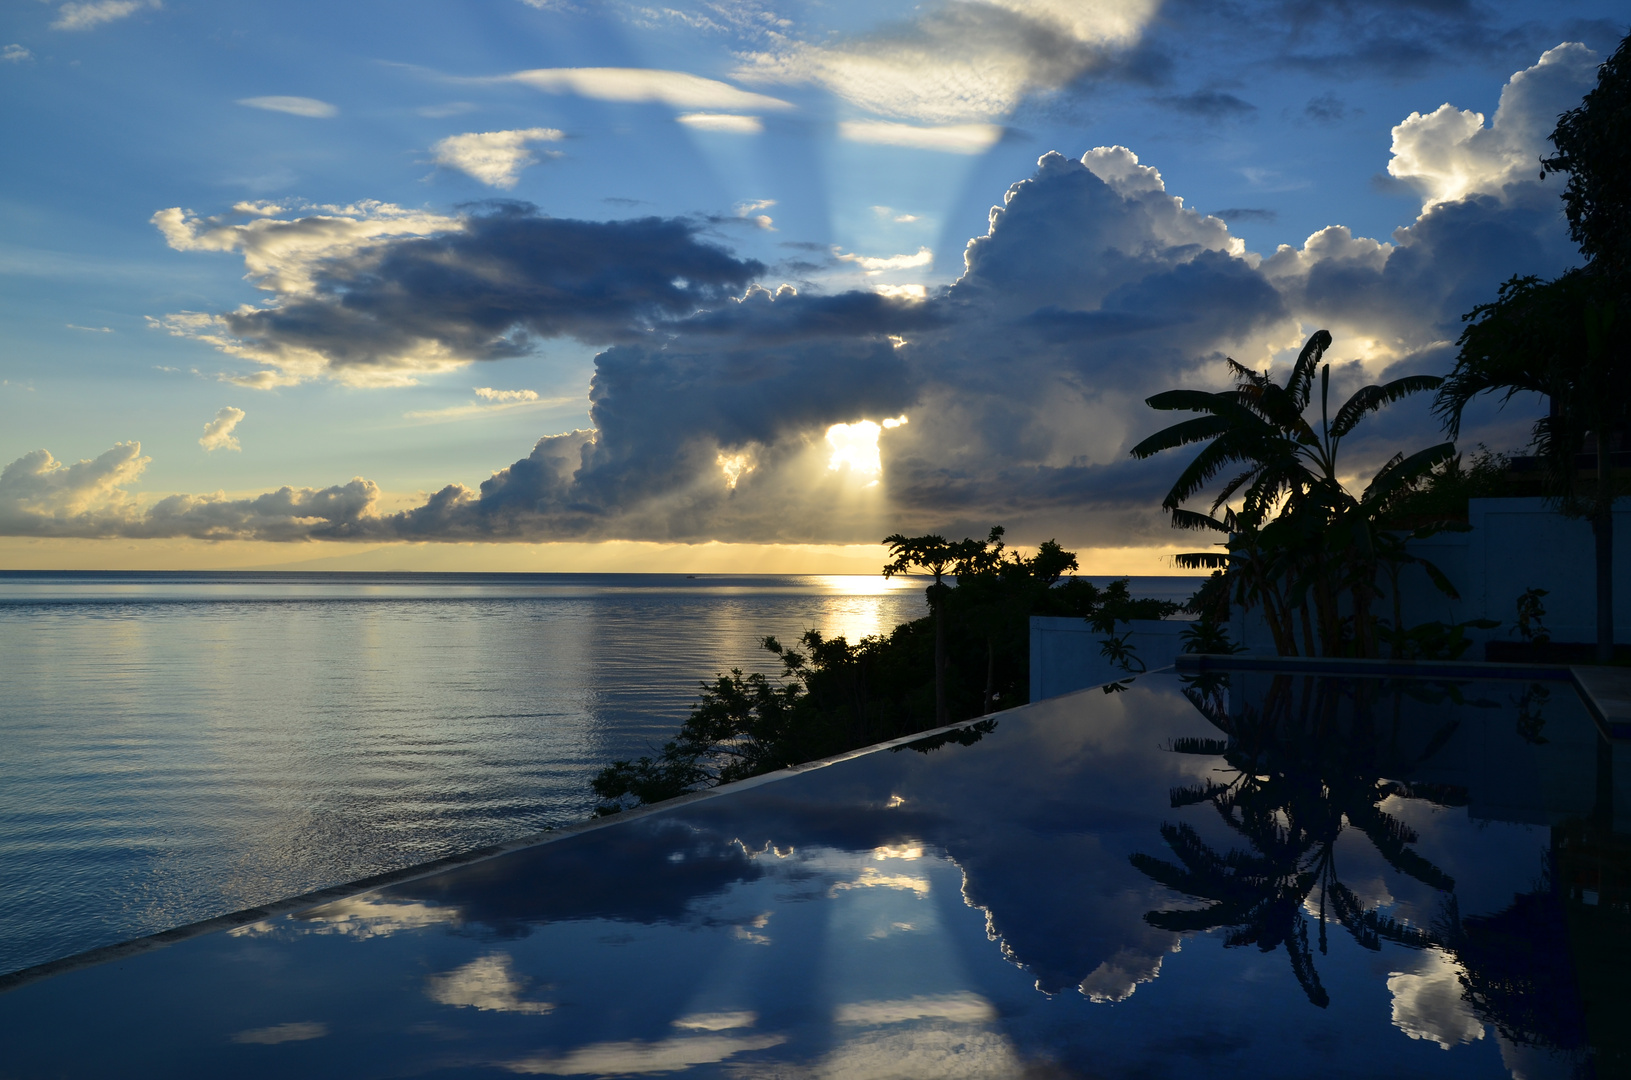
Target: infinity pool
(1215,875)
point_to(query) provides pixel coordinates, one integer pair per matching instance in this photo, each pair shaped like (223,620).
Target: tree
(1555,338)
(1299,535)
(936,555)
(1593,144)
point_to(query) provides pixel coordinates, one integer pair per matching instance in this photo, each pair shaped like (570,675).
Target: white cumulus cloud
(77,16)
(294,106)
(218,432)
(15,54)
(678,89)
(493,157)
(1449,154)
(41,496)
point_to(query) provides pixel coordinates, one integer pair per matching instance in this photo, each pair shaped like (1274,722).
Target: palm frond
(1368,399)
(1301,380)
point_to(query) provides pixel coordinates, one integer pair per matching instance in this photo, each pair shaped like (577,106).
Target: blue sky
(628,265)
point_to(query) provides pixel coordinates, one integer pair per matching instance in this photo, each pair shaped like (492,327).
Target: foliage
(1593,149)
(1440,497)
(1531,613)
(831,696)
(1207,635)
(1300,545)
(1436,640)
(1556,339)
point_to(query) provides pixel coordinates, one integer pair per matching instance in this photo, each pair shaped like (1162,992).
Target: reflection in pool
(1242,874)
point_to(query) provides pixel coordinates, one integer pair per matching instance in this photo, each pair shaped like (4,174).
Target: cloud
(712,398)
(376,295)
(719,1021)
(964,1008)
(218,432)
(486,984)
(501,397)
(493,157)
(1245,213)
(748,211)
(96,12)
(1448,154)
(452,108)
(1428,1002)
(1327,108)
(638,1057)
(971,60)
(300,1031)
(1211,105)
(294,106)
(15,54)
(677,89)
(878,265)
(41,496)
(950,139)
(727,122)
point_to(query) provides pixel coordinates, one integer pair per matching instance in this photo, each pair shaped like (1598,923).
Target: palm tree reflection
(1308,761)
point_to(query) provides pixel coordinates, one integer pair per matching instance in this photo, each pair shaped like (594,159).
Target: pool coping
(1606,691)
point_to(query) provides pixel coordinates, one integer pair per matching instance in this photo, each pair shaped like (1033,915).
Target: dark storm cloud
(1085,289)
(760,373)
(485,287)
(1354,38)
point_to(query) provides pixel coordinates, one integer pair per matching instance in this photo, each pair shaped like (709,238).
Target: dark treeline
(968,657)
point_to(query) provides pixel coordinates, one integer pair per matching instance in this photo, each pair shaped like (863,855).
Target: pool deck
(1607,690)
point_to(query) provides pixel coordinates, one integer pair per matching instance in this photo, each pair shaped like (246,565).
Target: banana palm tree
(1313,538)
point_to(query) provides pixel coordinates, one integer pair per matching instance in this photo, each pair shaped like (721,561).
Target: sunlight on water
(178,746)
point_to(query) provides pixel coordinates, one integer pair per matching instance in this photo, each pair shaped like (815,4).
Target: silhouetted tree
(935,555)
(1298,535)
(1556,339)
(1565,339)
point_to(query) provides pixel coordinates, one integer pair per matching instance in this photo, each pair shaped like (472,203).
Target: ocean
(174,746)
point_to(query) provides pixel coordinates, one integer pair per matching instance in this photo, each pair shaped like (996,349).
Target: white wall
(1514,545)
(1065,652)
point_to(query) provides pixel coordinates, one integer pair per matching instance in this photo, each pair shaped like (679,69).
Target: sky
(725,286)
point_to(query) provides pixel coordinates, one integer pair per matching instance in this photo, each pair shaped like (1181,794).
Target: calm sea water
(176,746)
